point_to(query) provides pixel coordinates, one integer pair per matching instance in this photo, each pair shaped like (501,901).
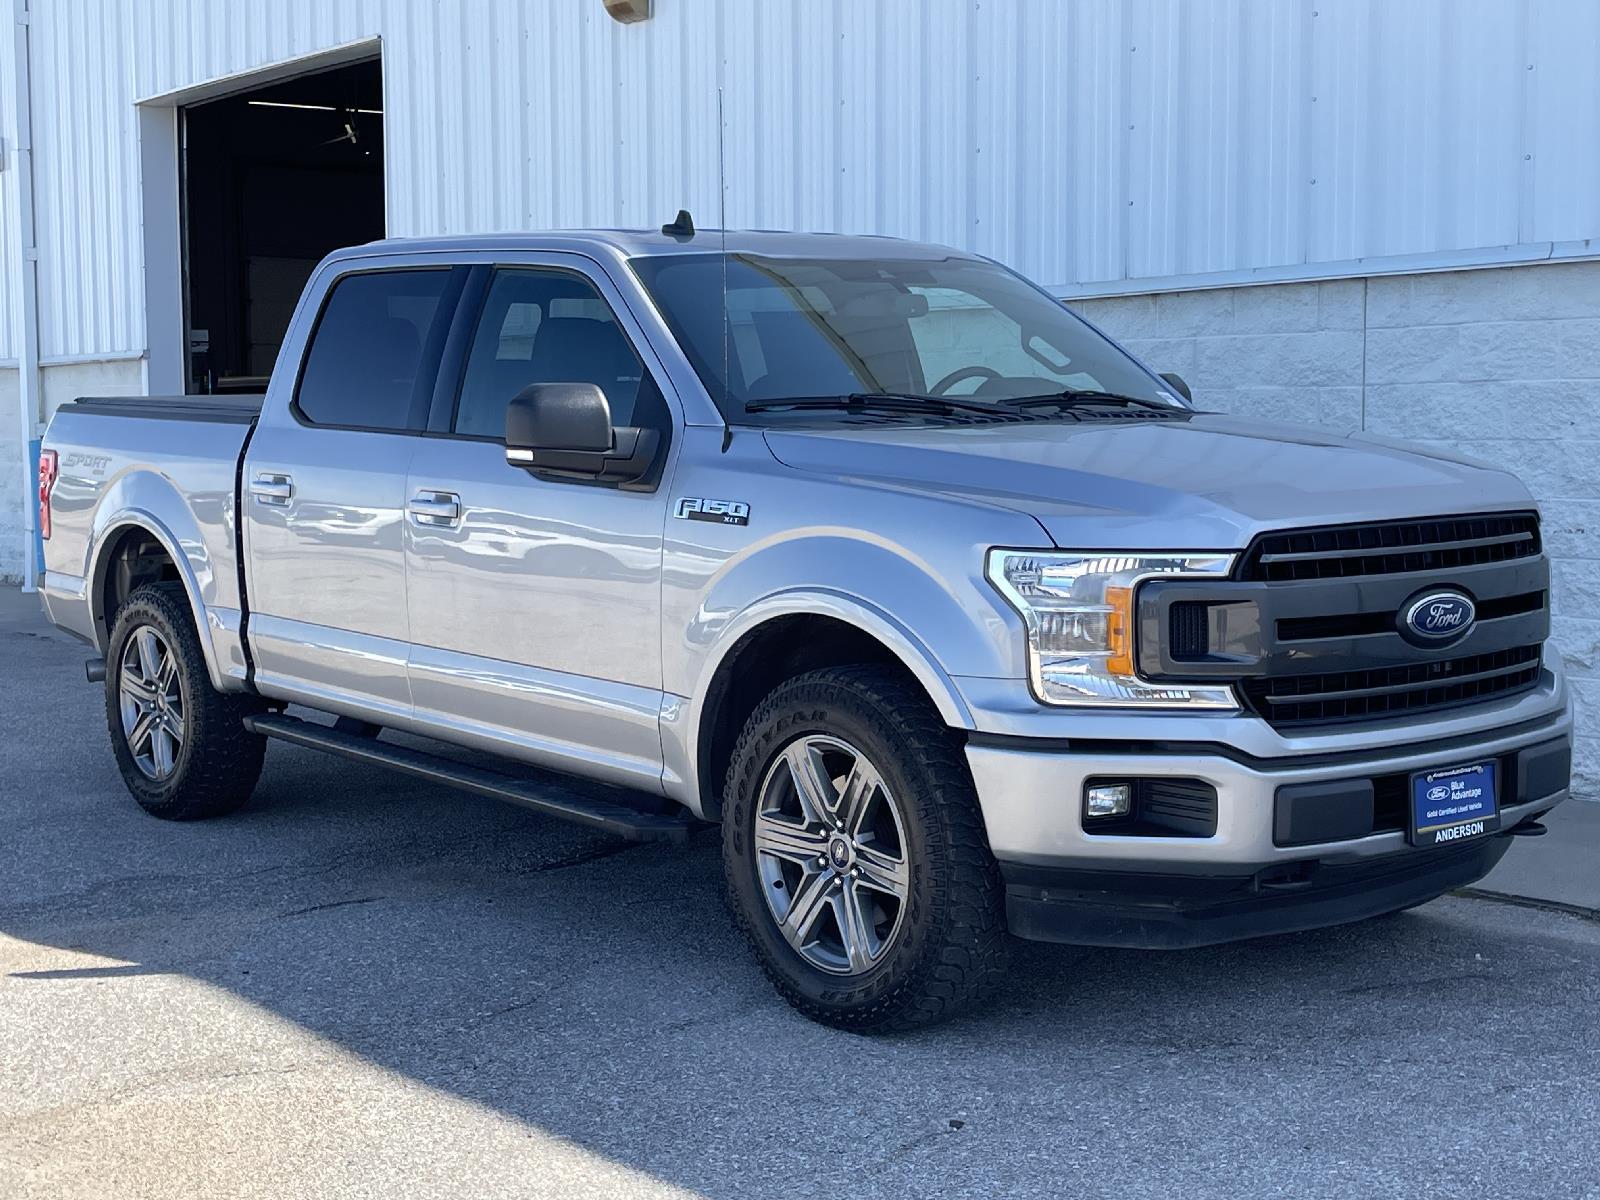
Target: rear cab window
(375,348)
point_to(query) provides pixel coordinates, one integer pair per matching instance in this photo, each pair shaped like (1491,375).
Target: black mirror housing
(559,416)
(564,431)
(1177,384)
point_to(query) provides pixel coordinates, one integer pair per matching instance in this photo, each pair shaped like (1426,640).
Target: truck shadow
(598,991)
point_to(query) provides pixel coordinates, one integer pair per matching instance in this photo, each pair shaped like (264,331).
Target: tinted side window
(367,351)
(548,327)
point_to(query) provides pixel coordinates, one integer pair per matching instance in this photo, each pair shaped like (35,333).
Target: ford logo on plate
(1437,617)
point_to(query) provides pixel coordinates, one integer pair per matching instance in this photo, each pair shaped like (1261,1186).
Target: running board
(616,819)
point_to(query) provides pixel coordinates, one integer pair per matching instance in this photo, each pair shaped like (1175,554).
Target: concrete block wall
(1500,364)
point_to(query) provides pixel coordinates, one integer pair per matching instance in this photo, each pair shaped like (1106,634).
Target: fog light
(1107,799)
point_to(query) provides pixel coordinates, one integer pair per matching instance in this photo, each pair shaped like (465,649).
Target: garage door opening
(272,180)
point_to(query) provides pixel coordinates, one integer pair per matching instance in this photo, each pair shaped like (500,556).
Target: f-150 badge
(723,512)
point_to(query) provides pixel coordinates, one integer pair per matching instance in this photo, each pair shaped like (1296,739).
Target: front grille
(1391,547)
(1291,700)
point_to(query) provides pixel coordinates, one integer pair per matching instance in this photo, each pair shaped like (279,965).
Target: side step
(617,819)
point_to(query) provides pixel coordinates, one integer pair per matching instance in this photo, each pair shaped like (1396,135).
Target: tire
(917,955)
(181,746)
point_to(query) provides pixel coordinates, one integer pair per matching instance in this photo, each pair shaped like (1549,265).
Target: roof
(638,243)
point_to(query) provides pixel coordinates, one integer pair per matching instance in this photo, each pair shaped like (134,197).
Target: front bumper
(1065,884)
(1167,910)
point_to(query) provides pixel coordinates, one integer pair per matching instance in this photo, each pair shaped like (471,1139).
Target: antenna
(722,223)
(681,226)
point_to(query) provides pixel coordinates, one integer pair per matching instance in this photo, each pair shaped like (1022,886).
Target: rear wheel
(181,745)
(855,854)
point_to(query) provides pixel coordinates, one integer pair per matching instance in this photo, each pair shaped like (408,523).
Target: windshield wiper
(882,401)
(1083,397)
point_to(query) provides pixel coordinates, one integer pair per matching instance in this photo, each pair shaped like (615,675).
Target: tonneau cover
(232,410)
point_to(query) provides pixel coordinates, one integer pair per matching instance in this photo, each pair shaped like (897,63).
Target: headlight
(1079,611)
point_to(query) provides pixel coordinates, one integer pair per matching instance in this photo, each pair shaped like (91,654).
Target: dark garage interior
(273,179)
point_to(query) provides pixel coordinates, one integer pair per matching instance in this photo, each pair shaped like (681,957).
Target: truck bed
(167,465)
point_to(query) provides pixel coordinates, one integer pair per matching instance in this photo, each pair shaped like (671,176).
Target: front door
(324,494)
(535,603)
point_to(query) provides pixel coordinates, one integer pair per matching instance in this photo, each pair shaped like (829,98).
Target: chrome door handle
(435,508)
(271,487)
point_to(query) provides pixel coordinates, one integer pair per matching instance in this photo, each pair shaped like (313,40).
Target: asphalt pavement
(361,985)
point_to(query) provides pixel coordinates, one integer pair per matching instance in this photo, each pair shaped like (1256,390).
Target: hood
(1210,482)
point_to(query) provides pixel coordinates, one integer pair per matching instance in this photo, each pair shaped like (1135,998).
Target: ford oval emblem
(1437,617)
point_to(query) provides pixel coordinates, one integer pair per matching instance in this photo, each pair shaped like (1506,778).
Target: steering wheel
(960,374)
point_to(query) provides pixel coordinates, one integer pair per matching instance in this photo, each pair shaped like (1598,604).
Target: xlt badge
(723,512)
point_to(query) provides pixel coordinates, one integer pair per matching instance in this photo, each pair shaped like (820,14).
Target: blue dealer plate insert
(1453,804)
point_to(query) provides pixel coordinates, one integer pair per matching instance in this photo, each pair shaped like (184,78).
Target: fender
(852,610)
(214,623)
(833,570)
(682,717)
(902,595)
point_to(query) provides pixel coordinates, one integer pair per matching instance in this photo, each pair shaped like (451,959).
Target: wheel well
(133,559)
(775,651)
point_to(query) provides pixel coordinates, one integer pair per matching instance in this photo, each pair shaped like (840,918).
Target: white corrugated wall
(9,316)
(1095,144)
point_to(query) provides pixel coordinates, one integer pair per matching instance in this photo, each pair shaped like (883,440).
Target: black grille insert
(1189,631)
(1391,547)
(1389,691)
(1346,625)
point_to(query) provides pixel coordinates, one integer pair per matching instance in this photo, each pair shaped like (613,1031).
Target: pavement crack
(911,1144)
(505,1010)
(300,912)
(608,850)
(712,1018)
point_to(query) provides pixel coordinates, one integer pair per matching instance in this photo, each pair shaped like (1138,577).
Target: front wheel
(181,746)
(855,854)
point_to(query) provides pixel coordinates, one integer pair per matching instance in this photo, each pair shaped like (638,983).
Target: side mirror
(564,430)
(1177,384)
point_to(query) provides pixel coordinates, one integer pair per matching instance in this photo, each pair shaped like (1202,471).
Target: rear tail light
(47,483)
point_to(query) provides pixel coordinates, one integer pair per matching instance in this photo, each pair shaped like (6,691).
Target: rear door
(535,602)
(324,490)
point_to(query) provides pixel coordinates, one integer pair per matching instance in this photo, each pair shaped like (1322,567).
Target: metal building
(1349,212)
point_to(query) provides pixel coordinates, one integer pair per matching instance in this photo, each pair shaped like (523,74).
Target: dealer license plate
(1453,804)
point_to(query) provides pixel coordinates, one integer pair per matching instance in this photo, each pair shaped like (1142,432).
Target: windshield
(818,328)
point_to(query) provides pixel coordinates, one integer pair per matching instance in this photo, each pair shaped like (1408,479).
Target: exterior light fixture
(1107,800)
(628,11)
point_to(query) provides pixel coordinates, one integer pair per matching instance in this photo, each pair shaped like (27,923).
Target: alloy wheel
(832,855)
(150,697)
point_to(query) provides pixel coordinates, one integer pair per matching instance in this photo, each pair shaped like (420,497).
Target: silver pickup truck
(958,619)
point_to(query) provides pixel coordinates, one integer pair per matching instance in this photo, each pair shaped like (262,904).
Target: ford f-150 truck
(960,621)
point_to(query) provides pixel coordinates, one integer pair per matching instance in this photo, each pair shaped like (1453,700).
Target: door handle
(272,487)
(435,508)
